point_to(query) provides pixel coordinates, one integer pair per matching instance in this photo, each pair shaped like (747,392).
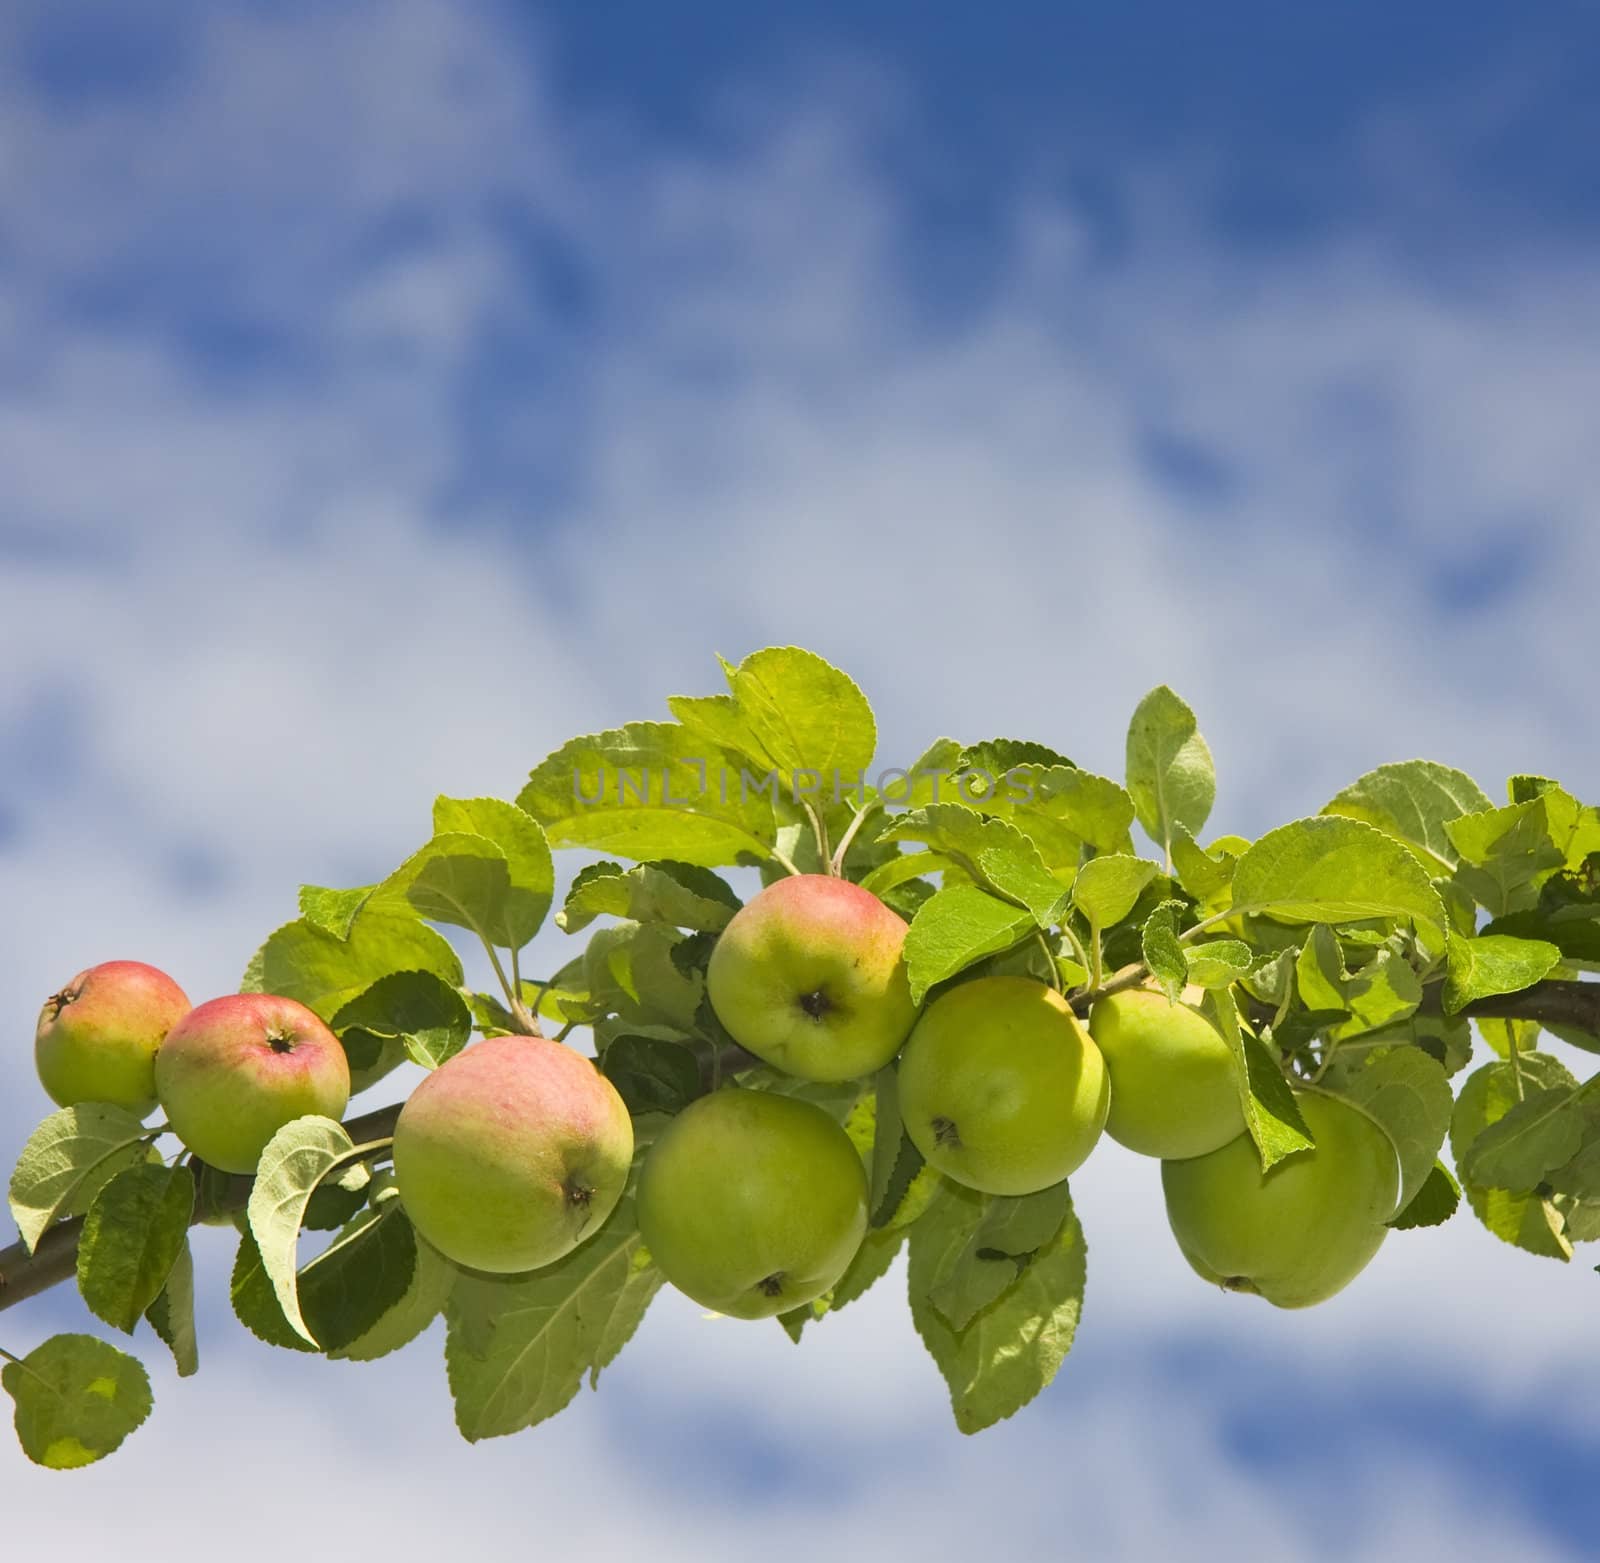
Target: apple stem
(836,862)
(1128,977)
(783,862)
(720,1061)
(1515,1053)
(820,831)
(1078,950)
(1049,960)
(361,1152)
(527,1025)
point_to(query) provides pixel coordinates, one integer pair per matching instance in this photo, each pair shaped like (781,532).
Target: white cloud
(257,608)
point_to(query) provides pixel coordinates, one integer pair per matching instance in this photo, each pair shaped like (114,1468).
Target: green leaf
(1206,875)
(997,855)
(426,1014)
(926,781)
(1504,854)
(795,712)
(652,790)
(1107,887)
(255,1300)
(519,1346)
(1218,963)
(1057,806)
(872,1262)
(1093,807)
(718,721)
(897,871)
(335,1296)
(304,962)
(652,1076)
(1271,1114)
(1567,914)
(1170,774)
(365,1272)
(1504,1035)
(660,989)
(1413,801)
(1494,963)
(1527,1221)
(1447,1038)
(1406,1093)
(1574,830)
(1008,1235)
(837,1098)
(463,881)
(1535,1136)
(999,756)
(420,1304)
(521,841)
(895,1163)
(332,911)
(1162,951)
(1385,990)
(77,1399)
(297,1158)
(955,927)
(1435,1201)
(171,1315)
(1012,1347)
(1334,870)
(71,1154)
(691,955)
(1272,980)
(1579,1177)
(331,1205)
(131,1239)
(680,894)
(1580,1218)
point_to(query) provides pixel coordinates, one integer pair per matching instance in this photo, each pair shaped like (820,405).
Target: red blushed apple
(97,1037)
(235,1070)
(512,1153)
(810,977)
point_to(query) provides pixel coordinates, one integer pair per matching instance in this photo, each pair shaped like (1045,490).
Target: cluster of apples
(228,1073)
(754,1202)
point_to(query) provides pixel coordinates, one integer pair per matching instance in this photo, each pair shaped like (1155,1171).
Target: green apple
(1001,1087)
(97,1037)
(1174,1084)
(752,1203)
(809,976)
(235,1070)
(1304,1230)
(512,1153)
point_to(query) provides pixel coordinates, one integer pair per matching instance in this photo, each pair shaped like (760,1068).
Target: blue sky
(388,392)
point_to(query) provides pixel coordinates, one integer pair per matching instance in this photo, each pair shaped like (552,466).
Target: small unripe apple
(1174,1083)
(809,976)
(1001,1087)
(512,1153)
(97,1037)
(235,1070)
(752,1203)
(1300,1232)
